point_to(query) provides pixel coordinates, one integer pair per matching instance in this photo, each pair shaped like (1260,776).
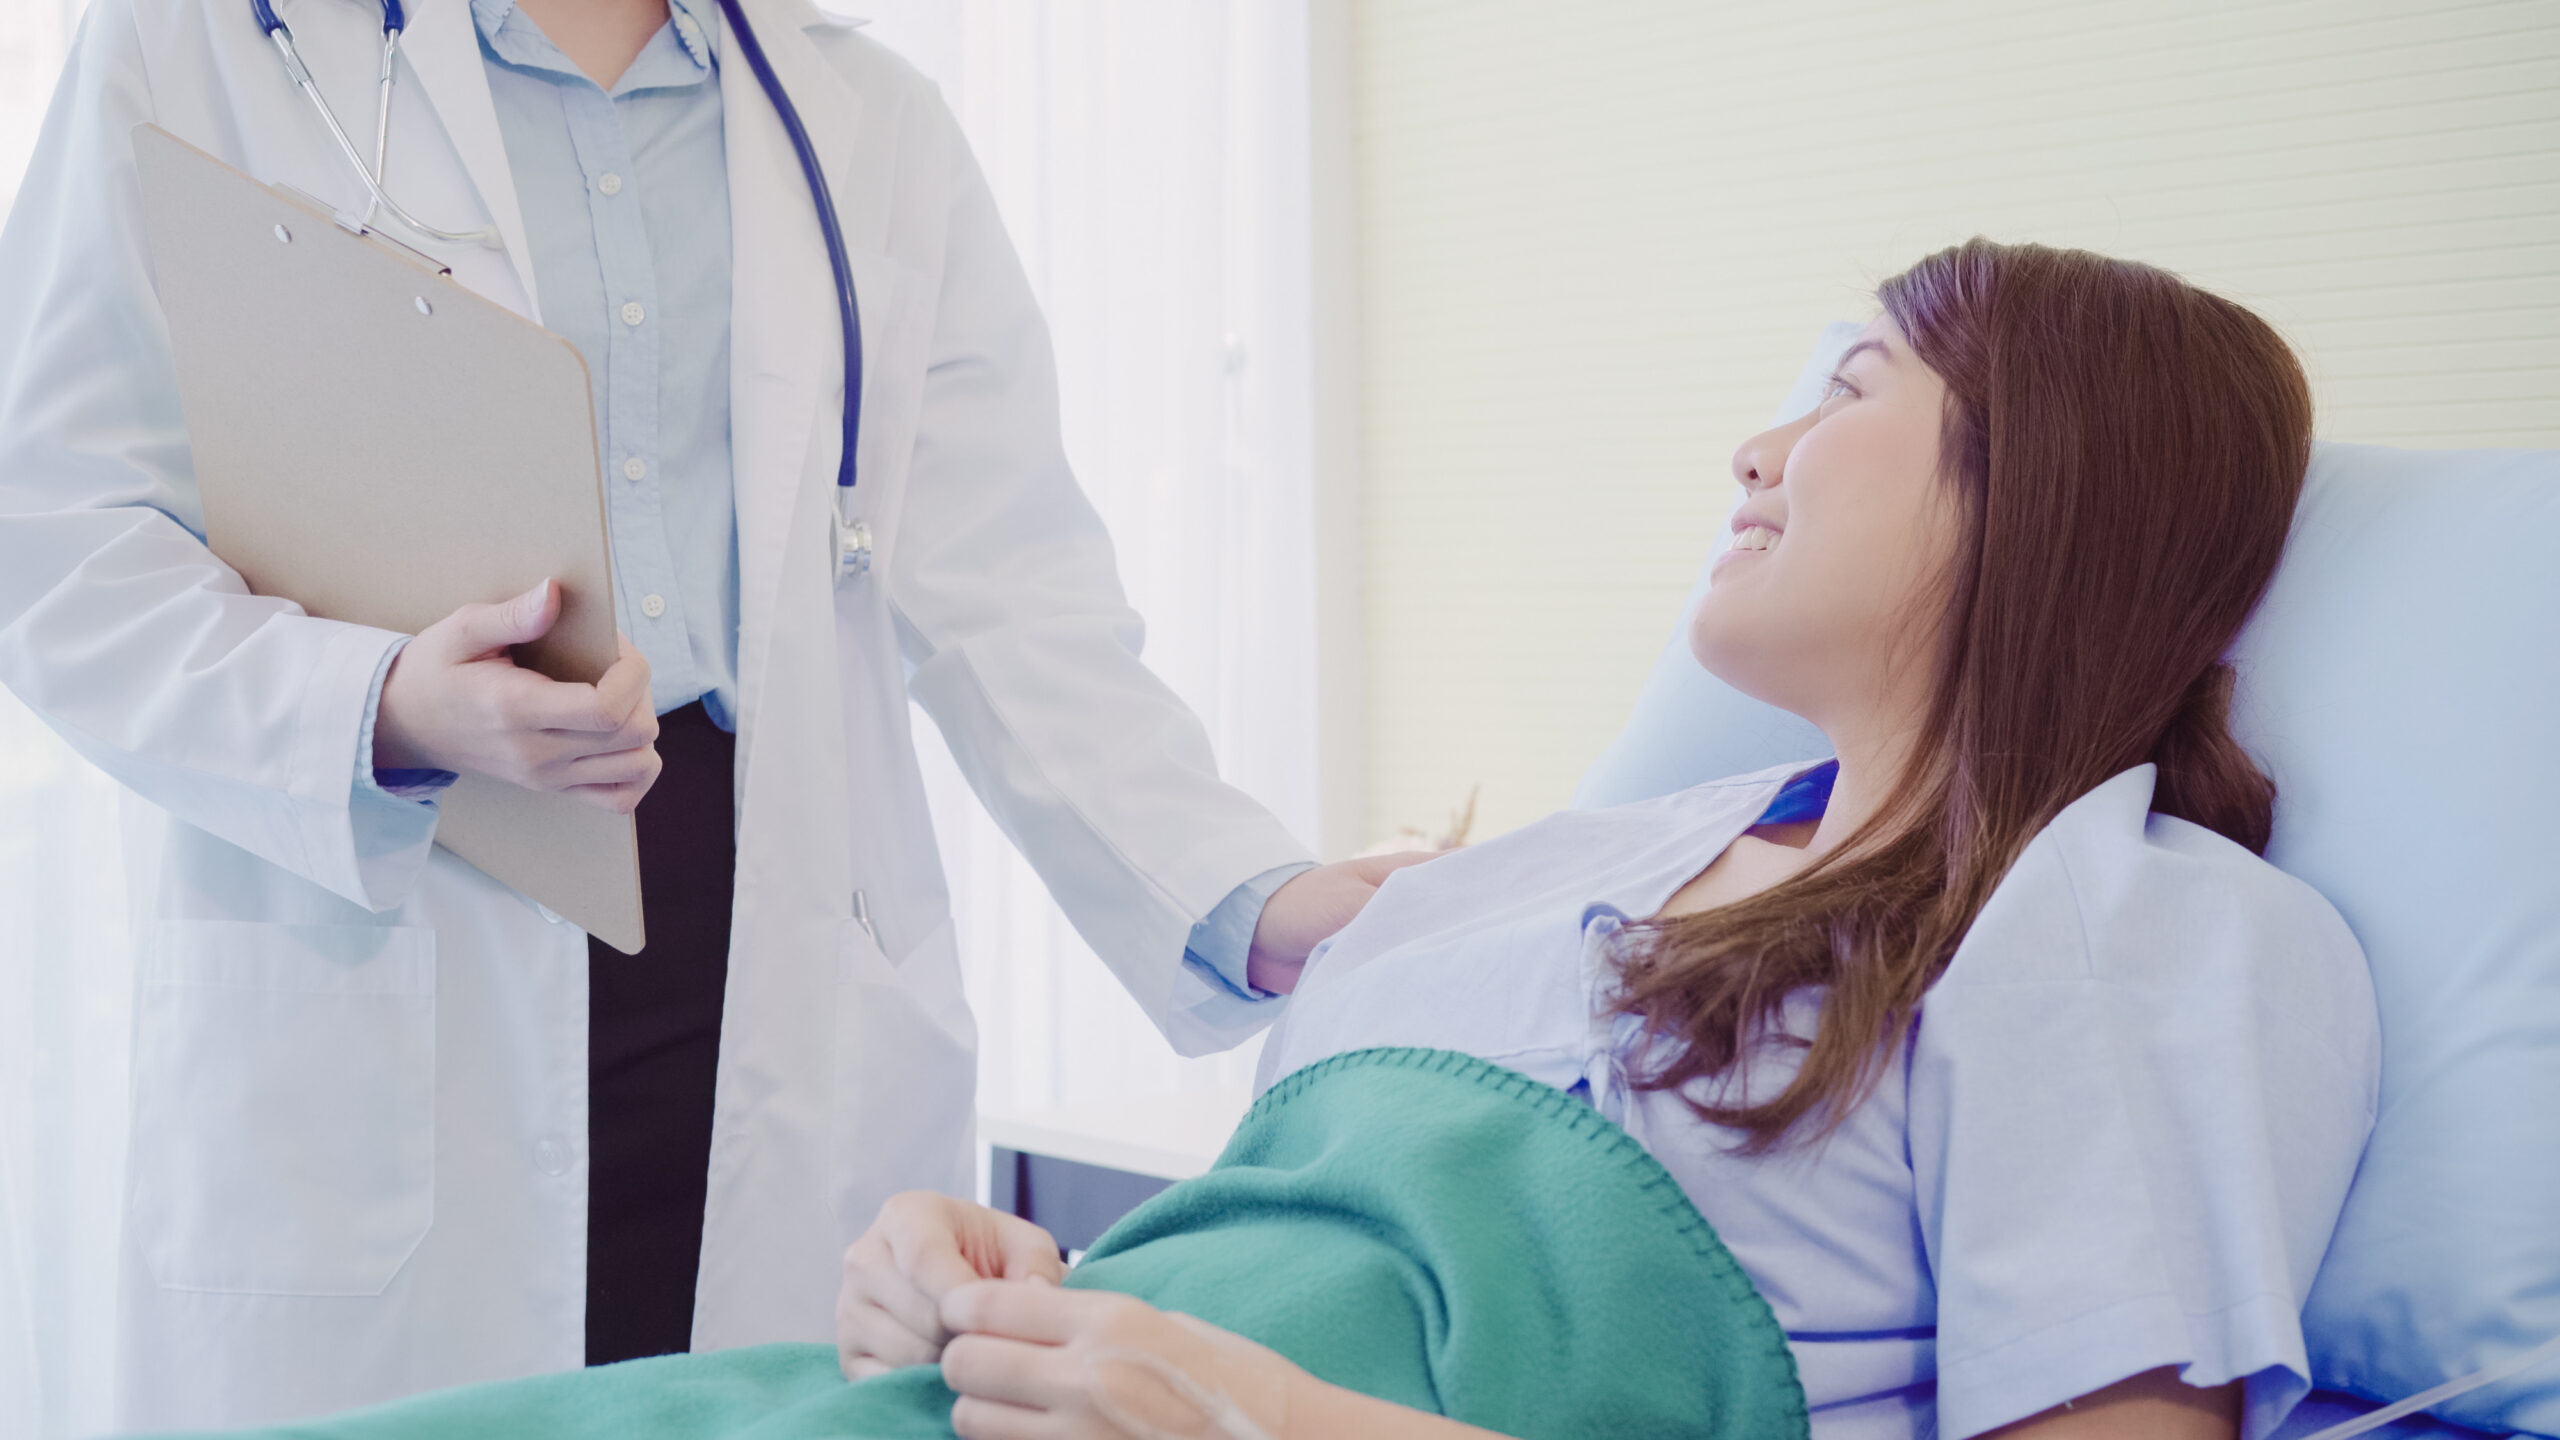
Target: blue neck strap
(1804,798)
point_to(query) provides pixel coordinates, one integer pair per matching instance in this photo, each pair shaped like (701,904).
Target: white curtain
(1151,160)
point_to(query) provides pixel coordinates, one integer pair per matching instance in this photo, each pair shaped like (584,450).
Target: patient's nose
(1761,461)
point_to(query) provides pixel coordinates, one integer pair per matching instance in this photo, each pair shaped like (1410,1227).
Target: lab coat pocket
(284,1106)
(905,1075)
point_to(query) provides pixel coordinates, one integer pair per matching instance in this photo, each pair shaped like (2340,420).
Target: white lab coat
(358,1074)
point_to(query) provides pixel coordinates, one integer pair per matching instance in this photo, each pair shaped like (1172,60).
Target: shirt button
(609,183)
(653,606)
(552,1154)
(635,468)
(631,312)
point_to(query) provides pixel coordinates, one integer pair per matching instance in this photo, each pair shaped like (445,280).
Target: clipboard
(380,445)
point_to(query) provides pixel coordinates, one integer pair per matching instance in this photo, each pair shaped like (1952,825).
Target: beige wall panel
(1598,239)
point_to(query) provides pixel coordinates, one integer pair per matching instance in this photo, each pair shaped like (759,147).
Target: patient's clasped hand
(1983,1078)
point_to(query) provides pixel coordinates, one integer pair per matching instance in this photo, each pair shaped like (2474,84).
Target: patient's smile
(1747,539)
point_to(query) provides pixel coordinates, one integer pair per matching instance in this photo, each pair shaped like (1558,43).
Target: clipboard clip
(362,231)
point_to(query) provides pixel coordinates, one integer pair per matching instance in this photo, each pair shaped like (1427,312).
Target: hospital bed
(2401,684)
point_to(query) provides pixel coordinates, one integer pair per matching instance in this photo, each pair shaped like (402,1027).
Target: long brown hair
(2126,451)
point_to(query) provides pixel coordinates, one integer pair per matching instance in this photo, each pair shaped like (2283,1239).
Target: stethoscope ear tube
(848,312)
(393,20)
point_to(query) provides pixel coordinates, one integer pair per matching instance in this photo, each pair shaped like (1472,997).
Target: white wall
(1599,239)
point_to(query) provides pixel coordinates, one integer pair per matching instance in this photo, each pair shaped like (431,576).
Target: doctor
(394,1126)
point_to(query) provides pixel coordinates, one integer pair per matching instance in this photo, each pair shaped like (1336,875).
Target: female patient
(2019,1087)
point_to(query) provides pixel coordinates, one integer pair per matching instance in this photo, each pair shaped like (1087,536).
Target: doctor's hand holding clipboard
(454,699)
(394,1125)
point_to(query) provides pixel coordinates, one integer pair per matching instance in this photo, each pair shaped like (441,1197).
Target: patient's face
(1827,603)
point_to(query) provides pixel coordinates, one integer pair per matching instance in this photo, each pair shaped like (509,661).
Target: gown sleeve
(2137,1097)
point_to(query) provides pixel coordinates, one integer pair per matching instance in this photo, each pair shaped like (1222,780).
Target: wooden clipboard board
(380,445)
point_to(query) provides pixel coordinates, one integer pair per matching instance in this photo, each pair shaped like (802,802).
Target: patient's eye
(1837,384)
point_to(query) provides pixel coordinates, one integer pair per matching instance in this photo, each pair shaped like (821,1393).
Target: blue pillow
(2401,683)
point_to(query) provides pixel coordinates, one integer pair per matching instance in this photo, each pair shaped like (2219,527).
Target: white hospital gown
(2117,1139)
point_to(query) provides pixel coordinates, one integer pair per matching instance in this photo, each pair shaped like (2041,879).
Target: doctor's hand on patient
(455,700)
(1306,911)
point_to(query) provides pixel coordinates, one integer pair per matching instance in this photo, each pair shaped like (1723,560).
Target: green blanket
(1414,1224)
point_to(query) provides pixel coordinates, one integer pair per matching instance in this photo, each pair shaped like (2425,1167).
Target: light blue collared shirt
(625,196)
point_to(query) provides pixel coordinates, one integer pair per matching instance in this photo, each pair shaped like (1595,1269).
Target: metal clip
(853,546)
(355,225)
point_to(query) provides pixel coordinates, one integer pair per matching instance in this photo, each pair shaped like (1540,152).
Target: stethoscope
(852,536)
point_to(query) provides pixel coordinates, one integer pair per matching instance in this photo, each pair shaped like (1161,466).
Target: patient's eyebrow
(1853,352)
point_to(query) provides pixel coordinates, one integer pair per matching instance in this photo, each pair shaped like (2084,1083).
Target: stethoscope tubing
(393,21)
(848,309)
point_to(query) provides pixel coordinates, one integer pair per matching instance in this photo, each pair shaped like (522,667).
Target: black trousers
(653,1050)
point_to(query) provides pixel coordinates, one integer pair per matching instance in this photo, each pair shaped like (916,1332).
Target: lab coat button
(653,606)
(635,468)
(552,1154)
(632,314)
(609,183)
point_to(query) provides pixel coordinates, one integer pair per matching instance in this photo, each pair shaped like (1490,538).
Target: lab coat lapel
(781,1025)
(786,355)
(442,46)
